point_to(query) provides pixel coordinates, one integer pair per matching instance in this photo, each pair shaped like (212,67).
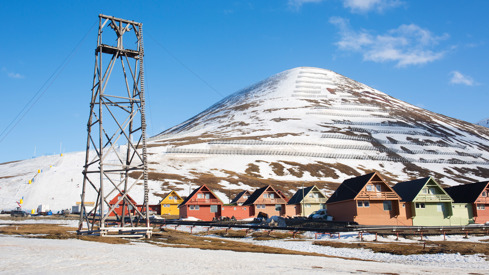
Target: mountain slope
(300,127)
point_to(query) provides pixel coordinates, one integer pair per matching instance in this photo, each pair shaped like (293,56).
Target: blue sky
(432,54)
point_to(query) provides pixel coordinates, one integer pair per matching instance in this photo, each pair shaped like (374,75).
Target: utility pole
(114,164)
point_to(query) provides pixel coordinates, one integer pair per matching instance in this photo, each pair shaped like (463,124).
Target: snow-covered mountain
(484,122)
(300,127)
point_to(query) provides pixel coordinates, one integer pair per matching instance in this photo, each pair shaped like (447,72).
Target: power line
(42,90)
(185,66)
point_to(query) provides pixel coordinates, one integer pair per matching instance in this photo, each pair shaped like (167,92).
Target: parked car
(18,213)
(321,214)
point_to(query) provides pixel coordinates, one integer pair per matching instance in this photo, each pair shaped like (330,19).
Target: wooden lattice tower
(116,159)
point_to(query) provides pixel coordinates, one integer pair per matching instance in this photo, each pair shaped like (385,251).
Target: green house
(427,204)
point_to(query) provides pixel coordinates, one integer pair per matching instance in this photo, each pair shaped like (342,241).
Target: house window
(200,196)
(378,187)
(308,205)
(265,196)
(387,205)
(278,207)
(311,195)
(424,191)
(370,188)
(245,196)
(213,208)
(207,196)
(170,198)
(420,205)
(363,203)
(484,194)
(194,207)
(481,207)
(432,191)
(272,196)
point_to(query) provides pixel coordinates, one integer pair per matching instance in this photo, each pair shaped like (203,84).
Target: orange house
(477,194)
(269,201)
(202,204)
(367,200)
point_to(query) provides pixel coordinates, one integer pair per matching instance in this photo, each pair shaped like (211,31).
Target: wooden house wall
(462,214)
(344,211)
(236,211)
(481,216)
(376,215)
(172,210)
(434,213)
(203,213)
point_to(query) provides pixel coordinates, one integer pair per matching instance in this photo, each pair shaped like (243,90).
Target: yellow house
(169,203)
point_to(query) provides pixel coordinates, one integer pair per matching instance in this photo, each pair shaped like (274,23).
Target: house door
(215,210)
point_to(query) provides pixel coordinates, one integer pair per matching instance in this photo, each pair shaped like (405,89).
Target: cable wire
(47,84)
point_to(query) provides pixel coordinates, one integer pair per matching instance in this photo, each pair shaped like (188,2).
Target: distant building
(427,204)
(307,200)
(476,195)
(202,204)
(269,201)
(241,197)
(120,204)
(169,203)
(366,200)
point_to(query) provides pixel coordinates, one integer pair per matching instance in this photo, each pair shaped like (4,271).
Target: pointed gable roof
(116,198)
(252,199)
(300,194)
(240,194)
(408,190)
(350,188)
(255,195)
(202,187)
(466,193)
(166,195)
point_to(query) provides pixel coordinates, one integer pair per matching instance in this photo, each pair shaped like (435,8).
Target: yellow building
(169,204)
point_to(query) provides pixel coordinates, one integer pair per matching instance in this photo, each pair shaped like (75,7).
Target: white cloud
(459,78)
(297,4)
(12,74)
(15,75)
(364,6)
(406,45)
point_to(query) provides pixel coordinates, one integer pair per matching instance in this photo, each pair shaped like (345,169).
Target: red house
(127,204)
(202,204)
(269,201)
(476,194)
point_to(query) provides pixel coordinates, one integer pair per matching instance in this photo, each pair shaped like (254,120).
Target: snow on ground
(440,260)
(74,256)
(43,256)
